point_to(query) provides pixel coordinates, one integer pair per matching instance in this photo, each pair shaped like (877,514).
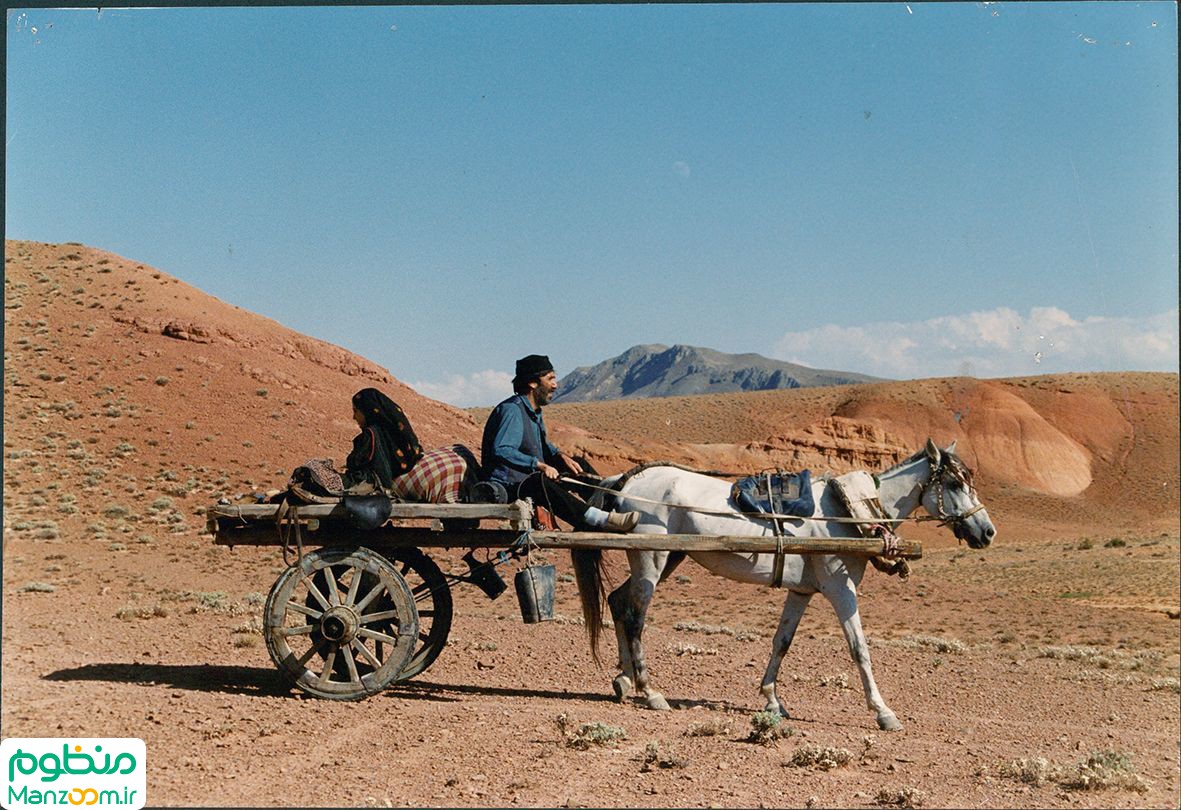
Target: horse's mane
(953,463)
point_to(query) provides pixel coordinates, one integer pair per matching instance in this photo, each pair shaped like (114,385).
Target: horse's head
(950,496)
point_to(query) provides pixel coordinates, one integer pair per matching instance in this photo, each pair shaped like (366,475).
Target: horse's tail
(588,573)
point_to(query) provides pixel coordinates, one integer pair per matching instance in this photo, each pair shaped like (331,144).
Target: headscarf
(383,414)
(379,409)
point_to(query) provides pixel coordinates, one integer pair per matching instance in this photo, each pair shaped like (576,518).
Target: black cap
(533,365)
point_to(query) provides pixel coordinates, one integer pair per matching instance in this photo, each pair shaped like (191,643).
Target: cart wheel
(432,598)
(341,624)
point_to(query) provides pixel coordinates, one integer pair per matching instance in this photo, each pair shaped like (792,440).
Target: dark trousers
(552,496)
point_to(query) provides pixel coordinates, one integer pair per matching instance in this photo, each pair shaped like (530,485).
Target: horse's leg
(646,567)
(618,601)
(675,558)
(843,596)
(793,610)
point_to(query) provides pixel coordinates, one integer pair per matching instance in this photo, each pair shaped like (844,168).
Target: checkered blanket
(442,475)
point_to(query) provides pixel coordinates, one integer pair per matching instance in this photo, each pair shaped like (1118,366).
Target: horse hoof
(888,722)
(778,709)
(622,686)
(656,701)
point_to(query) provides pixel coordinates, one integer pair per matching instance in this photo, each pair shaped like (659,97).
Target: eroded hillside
(118,376)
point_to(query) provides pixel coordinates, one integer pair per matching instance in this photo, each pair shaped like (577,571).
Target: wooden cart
(369,608)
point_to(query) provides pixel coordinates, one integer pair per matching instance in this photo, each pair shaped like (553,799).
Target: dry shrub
(937,643)
(712,728)
(134,612)
(588,734)
(767,727)
(38,587)
(1105,769)
(823,757)
(690,649)
(1099,771)
(840,680)
(1165,685)
(653,757)
(1109,659)
(906,796)
(1032,771)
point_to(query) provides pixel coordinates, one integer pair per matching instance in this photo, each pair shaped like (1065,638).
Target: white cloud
(681,168)
(481,388)
(994,343)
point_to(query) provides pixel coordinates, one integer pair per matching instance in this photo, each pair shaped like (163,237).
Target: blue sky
(904,190)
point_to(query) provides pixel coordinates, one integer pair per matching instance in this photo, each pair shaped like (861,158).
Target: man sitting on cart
(516,453)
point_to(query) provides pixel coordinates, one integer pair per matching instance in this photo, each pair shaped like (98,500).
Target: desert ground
(1039,672)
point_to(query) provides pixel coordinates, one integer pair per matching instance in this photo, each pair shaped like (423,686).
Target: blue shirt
(514,441)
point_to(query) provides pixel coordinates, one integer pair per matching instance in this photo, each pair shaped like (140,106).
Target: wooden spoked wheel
(341,624)
(432,599)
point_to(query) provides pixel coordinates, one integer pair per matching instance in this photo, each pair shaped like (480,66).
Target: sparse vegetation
(588,734)
(1099,771)
(840,680)
(767,727)
(155,611)
(710,728)
(810,755)
(905,796)
(713,630)
(1031,770)
(1103,659)
(38,587)
(1165,685)
(1105,769)
(937,643)
(690,649)
(659,756)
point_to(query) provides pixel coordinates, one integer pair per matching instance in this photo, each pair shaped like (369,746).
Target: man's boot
(622,521)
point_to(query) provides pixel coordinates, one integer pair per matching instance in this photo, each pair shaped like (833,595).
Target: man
(516,452)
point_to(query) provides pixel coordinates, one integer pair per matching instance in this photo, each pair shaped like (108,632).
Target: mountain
(662,371)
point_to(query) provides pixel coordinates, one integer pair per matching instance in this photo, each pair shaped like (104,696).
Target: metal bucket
(535,592)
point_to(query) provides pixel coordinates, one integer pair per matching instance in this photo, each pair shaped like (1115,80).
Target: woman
(386,447)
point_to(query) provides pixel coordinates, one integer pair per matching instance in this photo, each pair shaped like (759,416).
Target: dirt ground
(1054,649)
(132,402)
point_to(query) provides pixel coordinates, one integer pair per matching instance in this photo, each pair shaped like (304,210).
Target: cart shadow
(234,680)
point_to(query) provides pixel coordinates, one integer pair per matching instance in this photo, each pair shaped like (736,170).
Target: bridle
(958,522)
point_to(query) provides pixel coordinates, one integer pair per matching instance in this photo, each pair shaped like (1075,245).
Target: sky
(902,190)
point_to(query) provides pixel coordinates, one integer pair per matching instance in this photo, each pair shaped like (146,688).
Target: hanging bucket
(535,592)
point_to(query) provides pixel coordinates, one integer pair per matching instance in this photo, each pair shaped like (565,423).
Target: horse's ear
(950,448)
(933,452)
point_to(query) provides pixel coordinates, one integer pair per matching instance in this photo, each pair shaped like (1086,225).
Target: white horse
(668,498)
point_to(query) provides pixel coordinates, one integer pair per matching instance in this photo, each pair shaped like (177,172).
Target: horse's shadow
(428,690)
(267,682)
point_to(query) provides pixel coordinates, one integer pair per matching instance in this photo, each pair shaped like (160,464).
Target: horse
(673,500)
